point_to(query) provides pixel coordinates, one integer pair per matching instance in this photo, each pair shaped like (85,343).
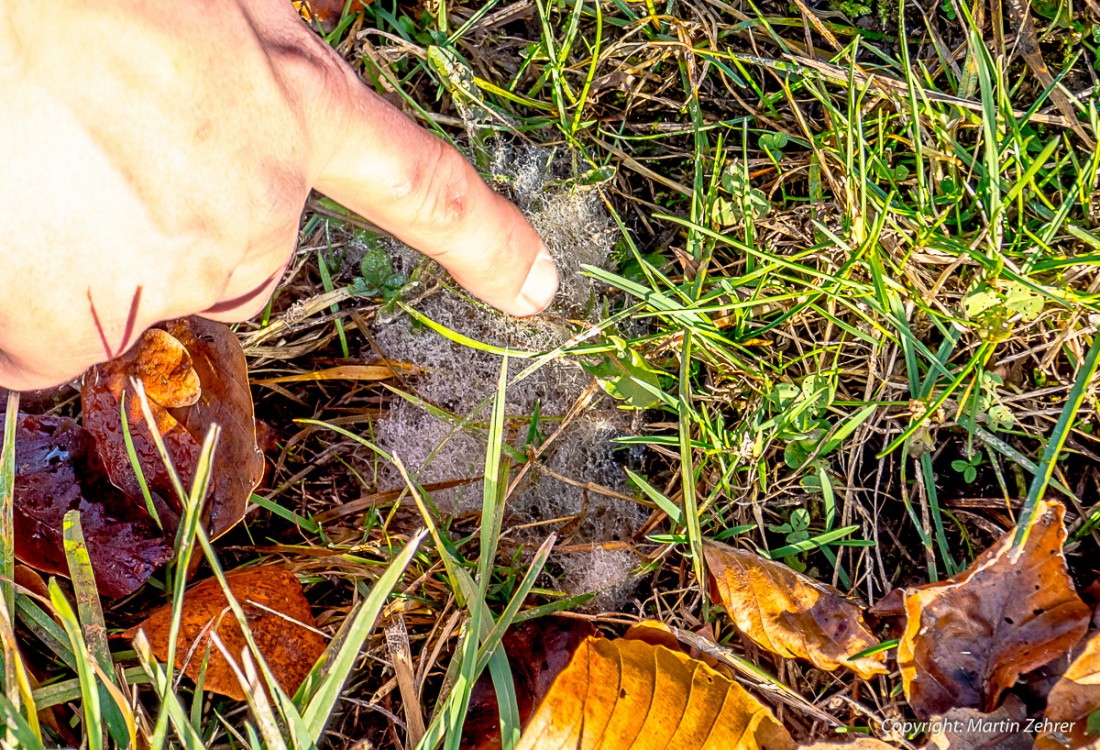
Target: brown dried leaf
(863,743)
(538,650)
(278,616)
(1072,700)
(967,639)
(219,362)
(327,13)
(970,729)
(194,374)
(163,366)
(790,614)
(57,470)
(619,694)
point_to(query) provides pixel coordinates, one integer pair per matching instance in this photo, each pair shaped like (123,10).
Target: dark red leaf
(57,470)
(538,651)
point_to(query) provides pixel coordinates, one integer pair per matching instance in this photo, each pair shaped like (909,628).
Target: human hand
(157,159)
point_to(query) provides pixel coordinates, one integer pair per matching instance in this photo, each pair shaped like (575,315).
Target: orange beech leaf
(327,13)
(625,693)
(1072,700)
(163,367)
(278,616)
(790,614)
(968,638)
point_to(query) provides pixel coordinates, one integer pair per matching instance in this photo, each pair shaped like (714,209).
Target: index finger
(417,187)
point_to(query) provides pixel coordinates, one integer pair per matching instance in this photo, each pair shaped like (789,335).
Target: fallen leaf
(619,694)
(58,470)
(384,371)
(1071,702)
(790,614)
(538,650)
(163,366)
(278,616)
(226,400)
(970,729)
(968,638)
(194,375)
(657,633)
(863,743)
(326,13)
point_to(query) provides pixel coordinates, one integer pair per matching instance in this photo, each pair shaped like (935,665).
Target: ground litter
(457,378)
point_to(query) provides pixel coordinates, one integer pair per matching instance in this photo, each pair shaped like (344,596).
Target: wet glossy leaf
(58,470)
(1072,701)
(968,638)
(538,651)
(194,374)
(618,694)
(790,614)
(278,616)
(219,362)
(106,388)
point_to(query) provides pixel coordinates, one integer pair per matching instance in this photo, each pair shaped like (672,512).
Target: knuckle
(435,189)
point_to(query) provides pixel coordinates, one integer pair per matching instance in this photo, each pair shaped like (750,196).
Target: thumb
(417,187)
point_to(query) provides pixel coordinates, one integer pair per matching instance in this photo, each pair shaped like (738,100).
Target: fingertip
(540,286)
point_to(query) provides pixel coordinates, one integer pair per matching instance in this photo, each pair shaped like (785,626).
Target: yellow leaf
(619,694)
(790,614)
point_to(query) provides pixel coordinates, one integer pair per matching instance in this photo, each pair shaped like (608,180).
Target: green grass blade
(321,690)
(669,508)
(90,614)
(131,454)
(170,703)
(19,692)
(1085,374)
(89,692)
(7,499)
(26,738)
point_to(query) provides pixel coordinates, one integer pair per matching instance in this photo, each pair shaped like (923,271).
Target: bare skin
(157,157)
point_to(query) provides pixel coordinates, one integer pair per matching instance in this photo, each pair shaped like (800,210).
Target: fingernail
(541,285)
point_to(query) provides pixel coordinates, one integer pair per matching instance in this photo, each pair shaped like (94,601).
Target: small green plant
(986,402)
(796,529)
(625,375)
(774,143)
(745,201)
(968,467)
(996,305)
(377,277)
